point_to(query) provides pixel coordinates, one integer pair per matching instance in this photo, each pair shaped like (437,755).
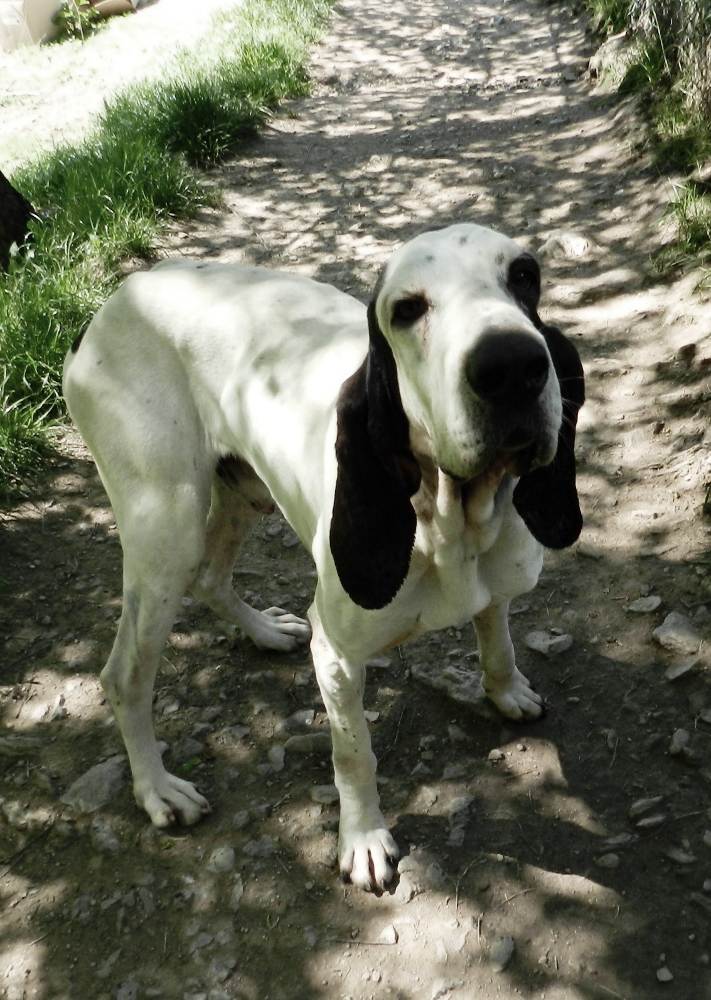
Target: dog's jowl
(421,448)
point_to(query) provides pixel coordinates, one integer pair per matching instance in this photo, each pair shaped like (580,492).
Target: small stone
(609,860)
(496,755)
(707,886)
(563,243)
(644,605)
(707,838)
(456,735)
(240,819)
(276,757)
(325,794)
(221,860)
(641,806)
(649,822)
(388,935)
(371,716)
(98,786)
(664,975)
(679,741)
(678,670)
(680,856)
(311,936)
(103,836)
(620,840)
(677,634)
(316,743)
(462,684)
(236,893)
(299,720)
(501,953)
(379,662)
(548,645)
(262,848)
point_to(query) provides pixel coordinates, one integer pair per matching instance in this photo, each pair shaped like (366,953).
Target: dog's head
(460,369)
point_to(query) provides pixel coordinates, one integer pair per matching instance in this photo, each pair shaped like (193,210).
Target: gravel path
(568,859)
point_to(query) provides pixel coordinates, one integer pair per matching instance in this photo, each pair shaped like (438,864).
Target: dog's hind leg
(162,529)
(238,497)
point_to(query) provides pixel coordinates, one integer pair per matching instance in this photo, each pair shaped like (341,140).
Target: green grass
(108,198)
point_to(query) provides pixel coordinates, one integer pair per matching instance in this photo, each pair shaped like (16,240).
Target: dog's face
(460,370)
(476,378)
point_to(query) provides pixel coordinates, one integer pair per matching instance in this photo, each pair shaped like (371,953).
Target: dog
(422,449)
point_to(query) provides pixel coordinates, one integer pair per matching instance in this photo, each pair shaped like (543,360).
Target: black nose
(507,368)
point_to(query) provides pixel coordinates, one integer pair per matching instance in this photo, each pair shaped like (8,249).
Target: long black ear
(546,498)
(373,523)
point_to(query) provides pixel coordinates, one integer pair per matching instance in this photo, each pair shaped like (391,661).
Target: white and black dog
(421,449)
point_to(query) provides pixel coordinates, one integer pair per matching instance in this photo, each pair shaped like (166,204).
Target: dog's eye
(407,311)
(523,275)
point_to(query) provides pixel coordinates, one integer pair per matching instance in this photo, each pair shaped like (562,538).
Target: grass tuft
(107,198)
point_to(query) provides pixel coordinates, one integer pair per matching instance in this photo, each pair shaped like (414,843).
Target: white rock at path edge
(99,785)
(677,634)
(548,645)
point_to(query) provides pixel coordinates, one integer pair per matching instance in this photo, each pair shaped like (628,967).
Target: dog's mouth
(515,457)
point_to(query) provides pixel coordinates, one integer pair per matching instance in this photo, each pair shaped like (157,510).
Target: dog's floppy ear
(547,498)
(373,523)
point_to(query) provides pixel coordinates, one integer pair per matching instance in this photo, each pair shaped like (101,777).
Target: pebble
(388,935)
(276,757)
(644,605)
(461,684)
(679,741)
(707,885)
(664,975)
(299,720)
(99,785)
(458,817)
(707,838)
(103,836)
(371,715)
(236,893)
(610,860)
(677,634)
(456,735)
(501,953)
(221,860)
(649,822)
(325,794)
(680,856)
(564,243)
(240,819)
(548,645)
(640,806)
(318,743)
(262,848)
(496,755)
(678,670)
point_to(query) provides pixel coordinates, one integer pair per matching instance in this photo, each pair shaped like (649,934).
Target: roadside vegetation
(108,198)
(669,65)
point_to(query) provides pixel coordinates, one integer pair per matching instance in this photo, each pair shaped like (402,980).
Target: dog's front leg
(504,683)
(367,852)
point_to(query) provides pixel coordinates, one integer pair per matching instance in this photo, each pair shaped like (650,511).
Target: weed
(107,198)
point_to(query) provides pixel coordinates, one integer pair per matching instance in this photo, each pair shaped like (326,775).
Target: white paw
(368,858)
(169,800)
(513,696)
(277,629)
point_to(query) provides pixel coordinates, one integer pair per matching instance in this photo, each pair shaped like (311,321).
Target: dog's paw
(368,858)
(170,800)
(277,629)
(514,697)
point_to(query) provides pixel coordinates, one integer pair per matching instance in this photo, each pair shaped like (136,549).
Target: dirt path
(423,115)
